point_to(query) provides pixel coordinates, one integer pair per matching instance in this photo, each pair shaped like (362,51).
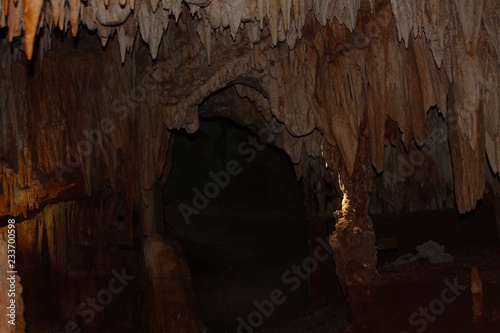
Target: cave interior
(197,166)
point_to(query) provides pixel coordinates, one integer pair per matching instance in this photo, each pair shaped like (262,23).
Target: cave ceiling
(90,92)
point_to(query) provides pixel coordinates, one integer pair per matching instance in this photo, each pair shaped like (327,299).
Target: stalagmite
(477,294)
(167,268)
(353,241)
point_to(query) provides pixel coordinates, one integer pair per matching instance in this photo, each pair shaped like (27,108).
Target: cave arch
(237,106)
(246,102)
(239,244)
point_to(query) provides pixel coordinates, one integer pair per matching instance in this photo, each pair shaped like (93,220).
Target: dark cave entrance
(238,209)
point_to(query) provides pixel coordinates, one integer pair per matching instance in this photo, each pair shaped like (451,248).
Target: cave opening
(235,204)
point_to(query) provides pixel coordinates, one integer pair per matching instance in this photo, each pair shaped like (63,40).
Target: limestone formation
(397,98)
(171,283)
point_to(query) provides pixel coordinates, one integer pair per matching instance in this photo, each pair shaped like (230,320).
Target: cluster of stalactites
(464,37)
(284,19)
(449,59)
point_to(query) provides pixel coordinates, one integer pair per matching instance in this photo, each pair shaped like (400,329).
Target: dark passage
(238,209)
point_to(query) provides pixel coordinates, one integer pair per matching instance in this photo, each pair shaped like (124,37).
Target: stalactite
(326,81)
(32,10)
(14,19)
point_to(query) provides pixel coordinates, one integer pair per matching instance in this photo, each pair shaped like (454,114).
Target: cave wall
(67,254)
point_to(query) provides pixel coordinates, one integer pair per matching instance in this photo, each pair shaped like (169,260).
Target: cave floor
(250,262)
(401,292)
(237,257)
(436,298)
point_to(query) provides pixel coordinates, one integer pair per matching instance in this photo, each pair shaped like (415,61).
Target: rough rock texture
(305,74)
(337,74)
(67,253)
(173,306)
(353,241)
